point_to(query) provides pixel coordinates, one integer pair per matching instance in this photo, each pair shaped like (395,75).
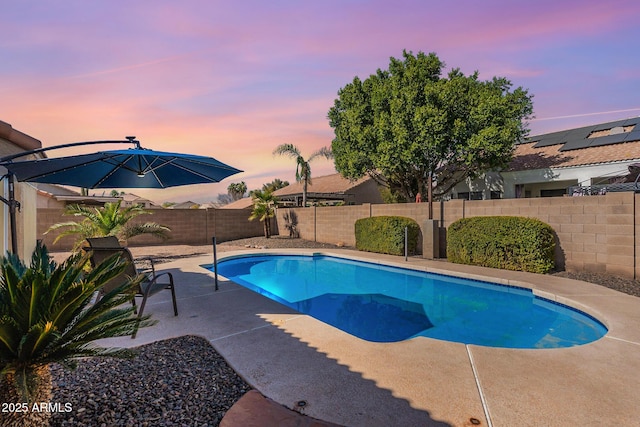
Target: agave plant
(110,220)
(46,316)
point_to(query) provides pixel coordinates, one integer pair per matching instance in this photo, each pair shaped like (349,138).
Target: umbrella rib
(44,174)
(196,173)
(151,168)
(117,165)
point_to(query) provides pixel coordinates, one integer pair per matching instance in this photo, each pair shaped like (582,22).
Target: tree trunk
(304,193)
(267,228)
(29,415)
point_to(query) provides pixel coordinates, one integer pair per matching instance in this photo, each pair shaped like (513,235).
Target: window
(473,195)
(496,195)
(553,193)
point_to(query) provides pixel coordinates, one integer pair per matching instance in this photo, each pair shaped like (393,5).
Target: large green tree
(411,128)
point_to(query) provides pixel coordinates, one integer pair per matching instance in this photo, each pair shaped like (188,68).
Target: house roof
(609,133)
(244,203)
(185,205)
(588,145)
(67,195)
(18,138)
(323,185)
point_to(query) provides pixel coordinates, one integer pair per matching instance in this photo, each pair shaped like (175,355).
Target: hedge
(385,234)
(506,242)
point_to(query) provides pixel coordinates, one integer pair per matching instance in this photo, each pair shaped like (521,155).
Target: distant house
(588,160)
(56,196)
(244,203)
(185,205)
(130,199)
(331,189)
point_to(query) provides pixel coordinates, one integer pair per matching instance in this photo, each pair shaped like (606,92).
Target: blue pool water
(388,304)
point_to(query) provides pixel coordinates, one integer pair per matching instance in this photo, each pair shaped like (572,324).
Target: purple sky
(233,80)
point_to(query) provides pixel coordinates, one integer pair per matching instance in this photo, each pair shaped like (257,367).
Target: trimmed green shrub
(385,234)
(506,242)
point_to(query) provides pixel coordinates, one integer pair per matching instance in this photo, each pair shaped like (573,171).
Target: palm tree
(274,185)
(236,190)
(263,209)
(110,220)
(303,170)
(47,317)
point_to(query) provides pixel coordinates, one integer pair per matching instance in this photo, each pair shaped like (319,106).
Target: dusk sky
(233,79)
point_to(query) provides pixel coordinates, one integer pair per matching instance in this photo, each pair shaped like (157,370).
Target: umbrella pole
(215,262)
(13,204)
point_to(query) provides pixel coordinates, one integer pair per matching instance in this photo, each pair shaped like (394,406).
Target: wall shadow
(241,327)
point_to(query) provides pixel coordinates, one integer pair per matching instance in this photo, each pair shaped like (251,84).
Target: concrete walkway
(290,357)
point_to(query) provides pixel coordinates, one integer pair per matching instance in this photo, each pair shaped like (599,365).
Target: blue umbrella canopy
(130,168)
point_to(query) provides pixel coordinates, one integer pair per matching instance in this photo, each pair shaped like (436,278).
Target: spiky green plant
(46,316)
(110,220)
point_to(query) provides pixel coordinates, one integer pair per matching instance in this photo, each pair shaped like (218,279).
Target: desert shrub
(385,234)
(506,242)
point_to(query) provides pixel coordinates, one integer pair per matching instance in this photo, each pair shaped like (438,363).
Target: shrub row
(506,242)
(385,234)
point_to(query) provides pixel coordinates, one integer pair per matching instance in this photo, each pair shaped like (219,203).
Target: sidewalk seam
(482,399)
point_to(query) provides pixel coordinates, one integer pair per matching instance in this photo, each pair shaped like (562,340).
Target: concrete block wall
(594,233)
(188,226)
(231,224)
(335,224)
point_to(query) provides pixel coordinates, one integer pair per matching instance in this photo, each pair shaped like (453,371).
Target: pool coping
(291,357)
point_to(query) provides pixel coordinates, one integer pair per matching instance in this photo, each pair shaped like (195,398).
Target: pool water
(389,304)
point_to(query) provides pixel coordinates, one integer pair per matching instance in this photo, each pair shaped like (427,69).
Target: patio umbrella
(131,168)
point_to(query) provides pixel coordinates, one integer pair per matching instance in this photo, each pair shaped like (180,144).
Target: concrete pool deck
(290,357)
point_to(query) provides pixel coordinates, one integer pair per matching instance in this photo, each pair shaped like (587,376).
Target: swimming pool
(389,304)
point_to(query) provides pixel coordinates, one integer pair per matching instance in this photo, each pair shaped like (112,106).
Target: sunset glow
(233,80)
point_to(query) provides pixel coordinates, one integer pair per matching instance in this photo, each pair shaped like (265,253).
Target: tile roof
(329,184)
(244,203)
(527,156)
(597,144)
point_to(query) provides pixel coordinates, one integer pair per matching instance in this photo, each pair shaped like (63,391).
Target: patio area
(291,357)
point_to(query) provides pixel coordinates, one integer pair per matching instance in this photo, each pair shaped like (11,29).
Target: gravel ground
(183,381)
(177,382)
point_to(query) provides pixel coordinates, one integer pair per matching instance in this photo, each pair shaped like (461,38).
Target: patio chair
(104,247)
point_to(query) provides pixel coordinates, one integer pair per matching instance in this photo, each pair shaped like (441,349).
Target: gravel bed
(278,242)
(177,382)
(620,284)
